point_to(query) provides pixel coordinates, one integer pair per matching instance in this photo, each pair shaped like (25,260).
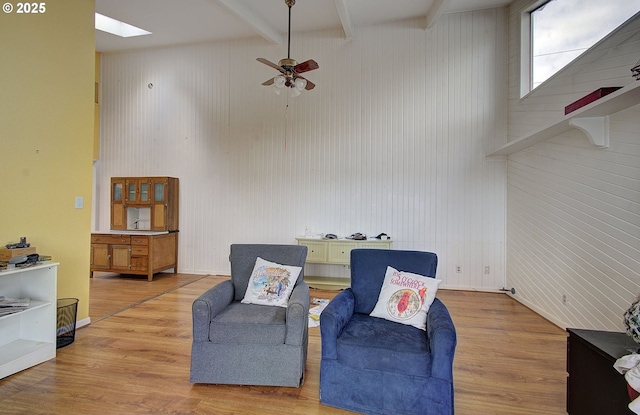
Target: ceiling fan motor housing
(287,63)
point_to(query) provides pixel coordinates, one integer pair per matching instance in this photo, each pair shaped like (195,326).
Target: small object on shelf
(632,321)
(635,71)
(587,99)
(6,254)
(13,305)
(22,244)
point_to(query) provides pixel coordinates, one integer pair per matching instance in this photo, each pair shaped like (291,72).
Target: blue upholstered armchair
(249,344)
(376,366)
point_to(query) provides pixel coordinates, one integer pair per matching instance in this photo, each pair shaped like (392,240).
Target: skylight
(118,28)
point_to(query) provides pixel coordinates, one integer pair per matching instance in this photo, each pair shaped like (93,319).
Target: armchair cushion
(249,323)
(271,283)
(378,344)
(405,298)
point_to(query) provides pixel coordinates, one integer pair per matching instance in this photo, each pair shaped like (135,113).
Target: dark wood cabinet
(594,386)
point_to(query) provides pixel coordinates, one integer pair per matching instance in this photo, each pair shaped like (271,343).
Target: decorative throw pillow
(271,283)
(405,298)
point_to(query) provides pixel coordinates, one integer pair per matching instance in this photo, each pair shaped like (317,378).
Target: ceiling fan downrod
(289,3)
(288,62)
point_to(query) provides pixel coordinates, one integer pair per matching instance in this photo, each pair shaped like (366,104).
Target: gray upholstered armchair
(249,344)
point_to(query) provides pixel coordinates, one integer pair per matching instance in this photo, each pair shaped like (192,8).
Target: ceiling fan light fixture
(301,83)
(279,81)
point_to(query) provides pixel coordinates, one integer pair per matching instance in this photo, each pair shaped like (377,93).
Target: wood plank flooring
(135,360)
(112,293)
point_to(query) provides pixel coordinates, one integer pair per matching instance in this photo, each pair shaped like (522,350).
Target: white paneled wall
(391,140)
(573,210)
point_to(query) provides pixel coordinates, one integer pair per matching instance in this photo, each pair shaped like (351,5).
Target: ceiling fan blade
(307,66)
(273,65)
(268,82)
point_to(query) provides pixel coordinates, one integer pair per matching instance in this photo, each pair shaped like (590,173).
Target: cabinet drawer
(316,251)
(110,239)
(139,240)
(139,250)
(341,252)
(375,245)
(139,263)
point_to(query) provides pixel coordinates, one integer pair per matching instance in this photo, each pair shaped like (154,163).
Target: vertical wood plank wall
(573,210)
(391,140)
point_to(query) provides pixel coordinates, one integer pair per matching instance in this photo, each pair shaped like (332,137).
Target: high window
(561,30)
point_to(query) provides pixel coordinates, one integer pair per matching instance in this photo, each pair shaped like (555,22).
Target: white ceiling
(175,22)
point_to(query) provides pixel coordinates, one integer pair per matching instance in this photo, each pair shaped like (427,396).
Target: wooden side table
(593,385)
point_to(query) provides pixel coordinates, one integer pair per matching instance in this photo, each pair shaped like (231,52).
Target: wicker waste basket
(66,324)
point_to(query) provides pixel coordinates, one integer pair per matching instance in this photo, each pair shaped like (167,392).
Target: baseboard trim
(539,311)
(84,322)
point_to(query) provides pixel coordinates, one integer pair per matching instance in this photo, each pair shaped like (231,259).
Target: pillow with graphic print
(405,298)
(271,283)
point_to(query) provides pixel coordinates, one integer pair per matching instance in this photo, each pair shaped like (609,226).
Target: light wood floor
(135,360)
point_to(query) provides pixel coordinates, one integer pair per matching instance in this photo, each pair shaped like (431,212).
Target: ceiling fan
(290,70)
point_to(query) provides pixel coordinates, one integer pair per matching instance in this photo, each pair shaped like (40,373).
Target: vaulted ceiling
(190,21)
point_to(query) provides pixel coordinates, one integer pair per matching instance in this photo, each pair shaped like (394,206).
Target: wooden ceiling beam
(345,19)
(435,12)
(258,24)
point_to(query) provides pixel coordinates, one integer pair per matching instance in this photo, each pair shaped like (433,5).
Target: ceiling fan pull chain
(286,123)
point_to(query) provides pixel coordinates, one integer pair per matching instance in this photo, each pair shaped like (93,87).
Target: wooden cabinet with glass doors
(143,239)
(144,203)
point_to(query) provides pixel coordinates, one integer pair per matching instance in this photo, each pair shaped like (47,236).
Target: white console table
(28,337)
(335,252)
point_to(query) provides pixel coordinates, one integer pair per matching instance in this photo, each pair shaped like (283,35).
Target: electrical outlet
(458,269)
(487,270)
(564,299)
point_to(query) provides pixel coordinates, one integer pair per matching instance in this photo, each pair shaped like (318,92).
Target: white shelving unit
(592,119)
(28,338)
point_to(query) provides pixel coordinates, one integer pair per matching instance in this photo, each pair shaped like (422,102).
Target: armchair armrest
(333,320)
(207,306)
(442,340)
(298,314)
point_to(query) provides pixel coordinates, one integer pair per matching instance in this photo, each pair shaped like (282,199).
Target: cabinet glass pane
(132,191)
(158,192)
(117,191)
(144,192)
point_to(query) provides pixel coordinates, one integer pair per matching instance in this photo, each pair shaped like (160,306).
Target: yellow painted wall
(96,109)
(46,136)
